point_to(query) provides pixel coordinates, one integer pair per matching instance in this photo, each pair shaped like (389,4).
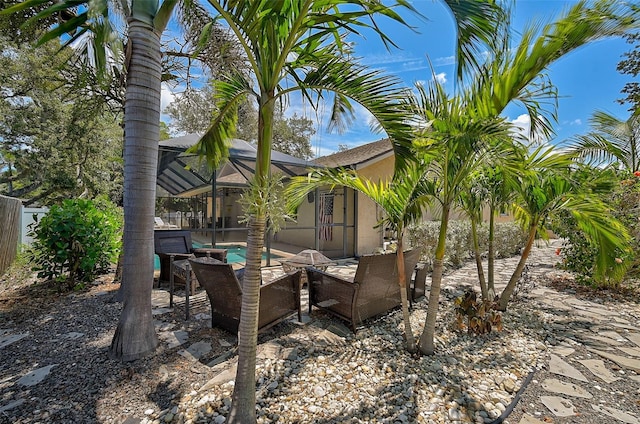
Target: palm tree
(472,200)
(146,19)
(295,41)
(545,186)
(402,199)
(299,45)
(490,186)
(611,141)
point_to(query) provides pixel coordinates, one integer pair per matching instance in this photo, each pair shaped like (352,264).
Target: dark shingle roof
(358,155)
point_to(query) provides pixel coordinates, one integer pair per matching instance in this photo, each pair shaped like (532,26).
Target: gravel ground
(308,373)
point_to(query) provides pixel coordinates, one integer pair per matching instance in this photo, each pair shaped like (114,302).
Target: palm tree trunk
(243,402)
(135,335)
(491,256)
(476,253)
(243,405)
(511,285)
(402,281)
(427,345)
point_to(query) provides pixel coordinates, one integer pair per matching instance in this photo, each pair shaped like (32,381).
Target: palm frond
(610,140)
(477,24)
(542,44)
(381,94)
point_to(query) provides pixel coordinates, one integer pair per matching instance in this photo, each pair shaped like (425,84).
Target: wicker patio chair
(373,291)
(177,243)
(279,299)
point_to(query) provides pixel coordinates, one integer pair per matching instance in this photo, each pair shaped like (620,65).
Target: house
(339,223)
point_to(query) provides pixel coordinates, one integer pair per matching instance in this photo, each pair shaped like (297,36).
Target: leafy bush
(509,239)
(579,255)
(76,241)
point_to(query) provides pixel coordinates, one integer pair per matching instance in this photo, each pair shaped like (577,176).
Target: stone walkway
(594,350)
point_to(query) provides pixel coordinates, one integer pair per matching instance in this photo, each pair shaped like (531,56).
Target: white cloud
(522,127)
(441,77)
(166,97)
(444,61)
(576,122)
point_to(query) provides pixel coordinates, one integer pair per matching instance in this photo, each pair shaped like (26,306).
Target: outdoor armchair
(373,291)
(279,299)
(177,243)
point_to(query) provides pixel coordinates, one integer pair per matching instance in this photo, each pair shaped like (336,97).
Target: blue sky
(587,79)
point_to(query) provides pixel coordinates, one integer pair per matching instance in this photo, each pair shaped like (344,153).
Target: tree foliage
(630,65)
(193,111)
(293,135)
(55,144)
(610,142)
(622,192)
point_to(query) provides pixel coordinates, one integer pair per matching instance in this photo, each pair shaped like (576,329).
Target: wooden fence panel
(9,230)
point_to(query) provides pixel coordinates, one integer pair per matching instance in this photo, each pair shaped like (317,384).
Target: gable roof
(358,157)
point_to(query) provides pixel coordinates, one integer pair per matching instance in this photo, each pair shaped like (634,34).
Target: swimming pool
(236,253)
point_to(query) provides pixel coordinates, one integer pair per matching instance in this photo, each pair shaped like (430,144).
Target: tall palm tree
(402,199)
(545,186)
(611,141)
(511,75)
(146,20)
(299,45)
(291,45)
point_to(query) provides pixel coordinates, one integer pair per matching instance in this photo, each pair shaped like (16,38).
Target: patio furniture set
(373,290)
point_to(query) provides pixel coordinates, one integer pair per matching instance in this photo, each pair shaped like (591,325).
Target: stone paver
(634,337)
(6,340)
(625,417)
(625,362)
(631,351)
(196,350)
(597,368)
(559,406)
(528,419)
(569,389)
(560,367)
(35,376)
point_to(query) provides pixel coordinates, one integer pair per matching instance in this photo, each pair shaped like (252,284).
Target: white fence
(26,219)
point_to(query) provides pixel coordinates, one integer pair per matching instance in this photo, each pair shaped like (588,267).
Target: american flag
(325,232)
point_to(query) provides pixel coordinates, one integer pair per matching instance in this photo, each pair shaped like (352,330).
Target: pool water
(236,253)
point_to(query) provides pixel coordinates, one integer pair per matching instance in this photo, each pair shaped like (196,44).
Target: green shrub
(76,241)
(509,239)
(579,255)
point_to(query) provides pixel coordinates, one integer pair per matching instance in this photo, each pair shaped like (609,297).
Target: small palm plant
(546,186)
